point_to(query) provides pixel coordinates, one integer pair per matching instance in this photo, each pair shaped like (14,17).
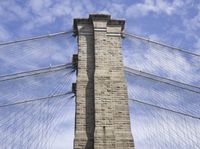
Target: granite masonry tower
(102,116)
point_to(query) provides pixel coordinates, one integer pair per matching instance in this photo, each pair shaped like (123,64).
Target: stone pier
(102,118)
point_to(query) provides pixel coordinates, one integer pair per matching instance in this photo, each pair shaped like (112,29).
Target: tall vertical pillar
(102,114)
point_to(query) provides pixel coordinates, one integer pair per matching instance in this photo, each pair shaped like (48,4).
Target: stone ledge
(98,17)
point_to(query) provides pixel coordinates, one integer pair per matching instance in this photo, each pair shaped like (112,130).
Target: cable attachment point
(75,61)
(74,88)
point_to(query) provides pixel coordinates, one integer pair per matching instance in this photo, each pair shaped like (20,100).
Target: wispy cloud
(153,6)
(162,61)
(13,11)
(180,23)
(4,34)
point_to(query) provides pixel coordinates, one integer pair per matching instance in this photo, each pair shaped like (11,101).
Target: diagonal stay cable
(37,108)
(163,80)
(35,72)
(34,100)
(36,37)
(163,108)
(159,43)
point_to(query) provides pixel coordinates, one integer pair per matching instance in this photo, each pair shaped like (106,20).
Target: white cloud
(38,5)
(40,13)
(170,130)
(116,9)
(64,135)
(64,140)
(193,23)
(4,34)
(47,11)
(12,11)
(159,60)
(155,6)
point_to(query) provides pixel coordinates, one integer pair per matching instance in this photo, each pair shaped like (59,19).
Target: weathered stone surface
(102,114)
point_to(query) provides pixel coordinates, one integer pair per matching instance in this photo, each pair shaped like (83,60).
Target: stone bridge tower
(102,114)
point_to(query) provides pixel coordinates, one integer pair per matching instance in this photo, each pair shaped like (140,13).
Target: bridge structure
(113,90)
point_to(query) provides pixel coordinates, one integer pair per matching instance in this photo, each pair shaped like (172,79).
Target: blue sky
(176,22)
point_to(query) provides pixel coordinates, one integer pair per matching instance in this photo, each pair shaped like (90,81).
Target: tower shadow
(90,103)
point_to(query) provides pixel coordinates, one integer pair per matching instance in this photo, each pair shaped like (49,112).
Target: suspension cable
(36,37)
(166,109)
(163,80)
(159,43)
(35,72)
(33,100)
